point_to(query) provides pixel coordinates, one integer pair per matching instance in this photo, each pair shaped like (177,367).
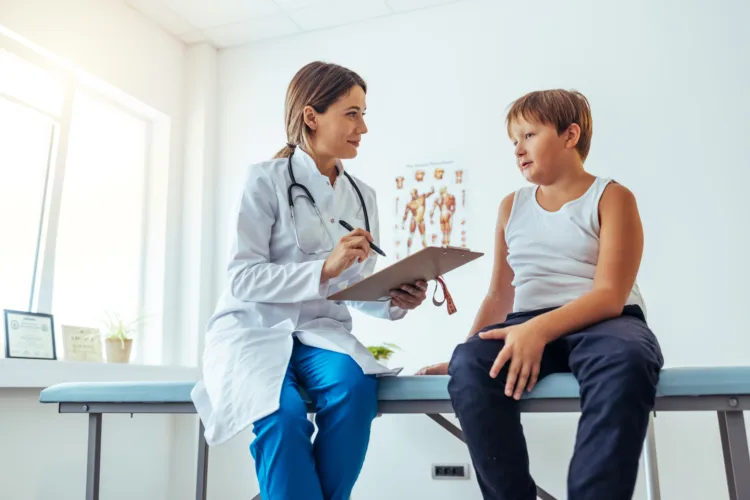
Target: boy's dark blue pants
(616,363)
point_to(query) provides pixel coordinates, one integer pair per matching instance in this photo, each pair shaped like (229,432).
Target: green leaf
(383,351)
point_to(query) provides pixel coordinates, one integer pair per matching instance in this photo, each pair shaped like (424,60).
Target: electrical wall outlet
(450,471)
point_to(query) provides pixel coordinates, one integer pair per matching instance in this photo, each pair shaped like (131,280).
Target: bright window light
(76,188)
(29,83)
(25,138)
(100,247)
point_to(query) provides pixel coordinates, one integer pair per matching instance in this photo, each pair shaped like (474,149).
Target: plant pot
(118,351)
(383,361)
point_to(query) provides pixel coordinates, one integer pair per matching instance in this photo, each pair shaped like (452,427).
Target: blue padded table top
(699,381)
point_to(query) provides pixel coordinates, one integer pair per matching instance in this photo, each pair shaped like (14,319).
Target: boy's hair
(558,108)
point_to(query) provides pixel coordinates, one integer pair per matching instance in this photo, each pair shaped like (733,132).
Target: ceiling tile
(162,15)
(406,5)
(338,12)
(252,30)
(208,14)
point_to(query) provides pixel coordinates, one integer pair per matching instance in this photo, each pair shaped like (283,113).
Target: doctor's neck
(326,165)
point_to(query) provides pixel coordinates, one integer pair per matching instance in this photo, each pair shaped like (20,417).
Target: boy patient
(563,297)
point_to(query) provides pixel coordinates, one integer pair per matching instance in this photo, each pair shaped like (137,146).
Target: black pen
(372,245)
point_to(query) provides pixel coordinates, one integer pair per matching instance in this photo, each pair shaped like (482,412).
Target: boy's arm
(620,251)
(498,302)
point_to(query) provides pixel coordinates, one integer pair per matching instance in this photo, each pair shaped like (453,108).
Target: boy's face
(539,150)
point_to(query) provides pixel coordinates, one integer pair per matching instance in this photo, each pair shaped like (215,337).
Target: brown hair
(558,108)
(319,85)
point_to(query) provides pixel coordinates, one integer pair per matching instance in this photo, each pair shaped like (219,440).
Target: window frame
(41,297)
(54,123)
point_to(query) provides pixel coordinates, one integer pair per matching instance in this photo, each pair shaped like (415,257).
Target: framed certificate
(29,335)
(82,343)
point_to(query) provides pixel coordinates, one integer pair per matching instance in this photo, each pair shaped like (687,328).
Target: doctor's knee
(358,394)
(286,418)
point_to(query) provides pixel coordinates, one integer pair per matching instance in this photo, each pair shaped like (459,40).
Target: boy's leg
(346,401)
(282,449)
(617,364)
(490,420)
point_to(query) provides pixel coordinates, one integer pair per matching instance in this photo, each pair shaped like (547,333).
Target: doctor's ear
(310,117)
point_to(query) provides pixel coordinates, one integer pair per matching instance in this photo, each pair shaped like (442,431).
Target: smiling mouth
(526,164)
(354,143)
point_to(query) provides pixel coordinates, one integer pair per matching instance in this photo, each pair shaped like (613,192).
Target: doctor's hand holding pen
(355,247)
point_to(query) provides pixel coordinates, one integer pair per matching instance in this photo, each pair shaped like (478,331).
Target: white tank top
(554,254)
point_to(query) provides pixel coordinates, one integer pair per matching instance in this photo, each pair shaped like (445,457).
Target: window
(99,246)
(31,84)
(76,239)
(25,141)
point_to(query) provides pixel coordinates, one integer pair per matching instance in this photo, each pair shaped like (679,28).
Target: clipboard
(427,264)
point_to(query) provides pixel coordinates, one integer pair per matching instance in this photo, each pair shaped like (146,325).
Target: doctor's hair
(558,108)
(319,85)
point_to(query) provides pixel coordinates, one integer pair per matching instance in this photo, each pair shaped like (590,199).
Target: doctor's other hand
(438,369)
(353,247)
(409,296)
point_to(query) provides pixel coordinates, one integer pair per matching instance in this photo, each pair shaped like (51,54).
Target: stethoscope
(310,198)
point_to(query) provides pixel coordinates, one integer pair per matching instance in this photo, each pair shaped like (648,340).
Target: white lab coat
(273,293)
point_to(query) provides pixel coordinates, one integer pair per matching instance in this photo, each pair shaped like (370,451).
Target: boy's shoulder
(617,204)
(506,207)
(507,202)
(616,194)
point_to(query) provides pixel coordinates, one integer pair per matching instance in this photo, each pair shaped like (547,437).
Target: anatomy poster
(429,207)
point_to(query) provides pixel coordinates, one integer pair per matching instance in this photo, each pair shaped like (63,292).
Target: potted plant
(383,352)
(119,338)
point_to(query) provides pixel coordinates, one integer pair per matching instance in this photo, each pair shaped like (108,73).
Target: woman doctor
(274,332)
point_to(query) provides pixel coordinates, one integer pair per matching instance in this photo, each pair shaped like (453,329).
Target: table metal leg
(653,490)
(93,461)
(202,473)
(736,456)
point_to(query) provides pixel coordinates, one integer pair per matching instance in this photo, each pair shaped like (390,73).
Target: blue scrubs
(291,467)
(616,363)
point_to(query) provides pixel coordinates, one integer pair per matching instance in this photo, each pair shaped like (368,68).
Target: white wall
(42,454)
(668,86)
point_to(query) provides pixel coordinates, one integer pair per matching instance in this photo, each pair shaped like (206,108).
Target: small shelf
(38,374)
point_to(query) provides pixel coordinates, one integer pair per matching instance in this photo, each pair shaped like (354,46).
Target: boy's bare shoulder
(615,194)
(506,205)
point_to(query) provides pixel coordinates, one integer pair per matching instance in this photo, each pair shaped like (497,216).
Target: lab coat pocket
(358,221)
(360,214)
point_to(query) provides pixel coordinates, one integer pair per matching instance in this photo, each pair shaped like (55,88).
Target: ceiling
(226,23)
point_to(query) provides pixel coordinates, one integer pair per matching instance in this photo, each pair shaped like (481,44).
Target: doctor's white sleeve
(252,276)
(383,309)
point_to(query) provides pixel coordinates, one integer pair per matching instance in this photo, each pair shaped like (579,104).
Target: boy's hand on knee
(523,349)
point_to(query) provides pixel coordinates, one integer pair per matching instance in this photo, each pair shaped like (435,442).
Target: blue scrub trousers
(617,364)
(288,464)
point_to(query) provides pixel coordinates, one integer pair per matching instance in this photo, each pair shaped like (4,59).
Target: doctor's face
(340,129)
